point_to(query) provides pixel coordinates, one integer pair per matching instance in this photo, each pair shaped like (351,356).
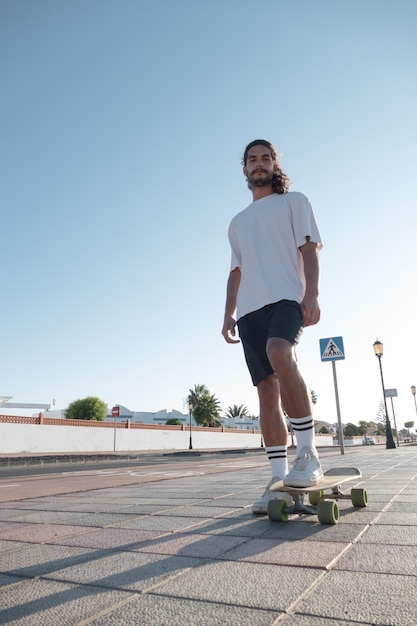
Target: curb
(66,459)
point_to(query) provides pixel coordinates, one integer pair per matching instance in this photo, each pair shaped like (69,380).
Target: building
(161,417)
(319,424)
(5,404)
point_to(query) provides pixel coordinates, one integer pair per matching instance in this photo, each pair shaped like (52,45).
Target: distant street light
(190,410)
(379,351)
(413,391)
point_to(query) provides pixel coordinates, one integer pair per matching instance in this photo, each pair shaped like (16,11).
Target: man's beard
(260,181)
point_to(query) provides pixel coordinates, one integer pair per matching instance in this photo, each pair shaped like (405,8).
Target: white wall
(45,438)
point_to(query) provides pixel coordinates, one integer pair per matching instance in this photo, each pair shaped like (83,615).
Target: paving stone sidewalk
(188,552)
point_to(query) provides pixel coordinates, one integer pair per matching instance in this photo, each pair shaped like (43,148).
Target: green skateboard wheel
(328,512)
(314,497)
(277,511)
(359,497)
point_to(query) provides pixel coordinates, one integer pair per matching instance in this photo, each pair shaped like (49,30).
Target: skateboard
(322,504)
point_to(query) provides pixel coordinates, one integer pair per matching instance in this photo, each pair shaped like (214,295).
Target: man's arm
(310,305)
(229,324)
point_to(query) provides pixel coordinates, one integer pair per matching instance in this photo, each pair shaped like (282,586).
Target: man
(272,293)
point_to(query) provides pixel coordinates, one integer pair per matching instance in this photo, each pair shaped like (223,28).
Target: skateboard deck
(320,503)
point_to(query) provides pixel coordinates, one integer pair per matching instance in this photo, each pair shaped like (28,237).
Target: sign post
(115,412)
(392,393)
(331,349)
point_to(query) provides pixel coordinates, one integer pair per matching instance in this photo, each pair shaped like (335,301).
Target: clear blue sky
(122,127)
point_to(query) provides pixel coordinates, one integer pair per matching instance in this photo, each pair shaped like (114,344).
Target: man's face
(259,168)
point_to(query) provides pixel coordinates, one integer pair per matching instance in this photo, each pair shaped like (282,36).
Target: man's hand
(310,310)
(229,329)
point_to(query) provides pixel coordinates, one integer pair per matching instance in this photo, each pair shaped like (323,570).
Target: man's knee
(280,353)
(268,389)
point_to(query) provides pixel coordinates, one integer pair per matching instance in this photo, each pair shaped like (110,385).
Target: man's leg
(294,394)
(273,425)
(275,436)
(296,401)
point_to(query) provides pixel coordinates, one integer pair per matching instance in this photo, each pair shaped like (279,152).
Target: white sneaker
(306,470)
(260,507)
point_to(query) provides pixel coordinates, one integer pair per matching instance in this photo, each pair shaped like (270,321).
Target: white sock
(277,456)
(304,432)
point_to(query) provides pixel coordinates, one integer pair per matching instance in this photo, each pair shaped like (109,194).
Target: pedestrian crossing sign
(331,349)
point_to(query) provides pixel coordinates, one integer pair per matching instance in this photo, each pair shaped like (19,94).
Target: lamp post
(190,410)
(379,351)
(413,391)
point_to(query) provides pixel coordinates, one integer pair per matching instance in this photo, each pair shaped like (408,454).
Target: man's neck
(261,192)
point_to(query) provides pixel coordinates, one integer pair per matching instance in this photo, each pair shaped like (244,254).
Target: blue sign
(331,349)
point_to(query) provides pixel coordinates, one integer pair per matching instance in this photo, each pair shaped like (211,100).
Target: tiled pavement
(188,552)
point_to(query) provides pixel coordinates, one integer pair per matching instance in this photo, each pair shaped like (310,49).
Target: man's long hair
(280,182)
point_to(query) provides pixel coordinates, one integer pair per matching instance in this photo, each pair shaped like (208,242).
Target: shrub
(90,408)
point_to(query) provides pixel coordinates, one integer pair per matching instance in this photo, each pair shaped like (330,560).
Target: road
(18,483)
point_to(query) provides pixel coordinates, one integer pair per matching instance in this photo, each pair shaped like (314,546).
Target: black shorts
(282,319)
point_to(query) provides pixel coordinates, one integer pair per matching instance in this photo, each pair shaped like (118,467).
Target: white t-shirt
(265,239)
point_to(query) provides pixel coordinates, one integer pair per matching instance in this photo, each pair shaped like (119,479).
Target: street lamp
(413,391)
(379,351)
(190,410)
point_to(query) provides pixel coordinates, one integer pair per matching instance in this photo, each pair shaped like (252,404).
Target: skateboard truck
(321,504)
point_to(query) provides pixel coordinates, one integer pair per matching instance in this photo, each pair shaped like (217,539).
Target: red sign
(115,412)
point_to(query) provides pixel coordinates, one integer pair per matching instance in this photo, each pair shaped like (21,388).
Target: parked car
(368,441)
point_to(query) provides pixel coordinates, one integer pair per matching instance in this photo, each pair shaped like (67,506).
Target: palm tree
(194,395)
(237,411)
(205,406)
